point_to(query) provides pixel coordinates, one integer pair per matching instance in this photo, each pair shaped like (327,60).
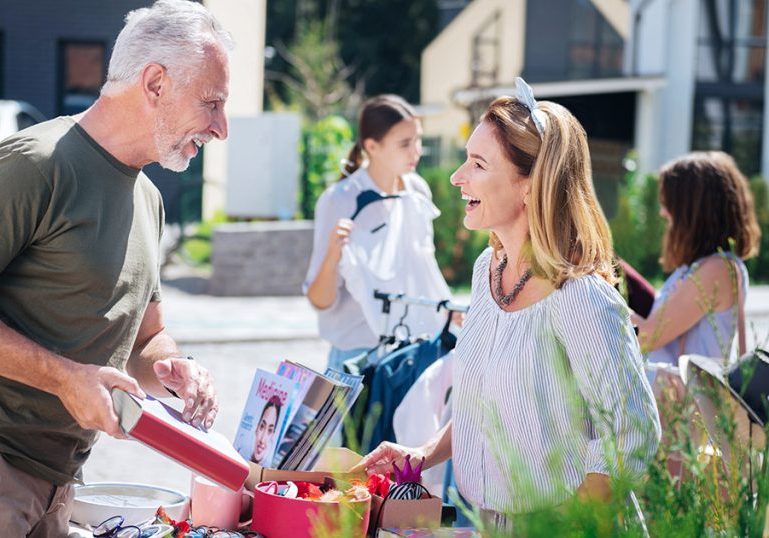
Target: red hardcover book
(161,428)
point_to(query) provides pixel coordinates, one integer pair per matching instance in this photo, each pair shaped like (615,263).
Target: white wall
(245,20)
(667,45)
(263,165)
(765,148)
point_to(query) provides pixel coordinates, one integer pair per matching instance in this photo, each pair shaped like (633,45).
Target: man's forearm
(29,363)
(159,346)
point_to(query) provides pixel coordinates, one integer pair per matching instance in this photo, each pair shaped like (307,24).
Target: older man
(80,226)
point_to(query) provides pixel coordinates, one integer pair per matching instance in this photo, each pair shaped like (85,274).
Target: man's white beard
(170,152)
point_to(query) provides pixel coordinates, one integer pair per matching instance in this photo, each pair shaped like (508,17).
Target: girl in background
(707,203)
(394,236)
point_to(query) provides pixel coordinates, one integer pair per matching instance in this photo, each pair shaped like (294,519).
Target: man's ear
(154,79)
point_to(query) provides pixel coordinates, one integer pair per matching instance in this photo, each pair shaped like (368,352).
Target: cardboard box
(396,513)
(333,461)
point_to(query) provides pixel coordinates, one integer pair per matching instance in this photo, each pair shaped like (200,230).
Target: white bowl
(137,503)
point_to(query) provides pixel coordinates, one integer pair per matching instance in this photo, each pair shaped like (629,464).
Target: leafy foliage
(758,267)
(315,80)
(637,227)
(325,144)
(456,247)
(382,40)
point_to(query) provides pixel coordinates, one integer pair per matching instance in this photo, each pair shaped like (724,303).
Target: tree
(316,79)
(383,40)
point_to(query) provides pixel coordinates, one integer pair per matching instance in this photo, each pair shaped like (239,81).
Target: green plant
(637,227)
(325,144)
(758,267)
(195,248)
(456,247)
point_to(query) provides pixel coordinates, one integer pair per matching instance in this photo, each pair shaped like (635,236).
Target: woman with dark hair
(711,229)
(393,237)
(549,396)
(264,433)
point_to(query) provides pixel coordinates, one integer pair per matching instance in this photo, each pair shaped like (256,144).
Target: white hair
(172,33)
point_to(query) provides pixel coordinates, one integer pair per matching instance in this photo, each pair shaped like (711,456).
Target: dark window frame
(61,45)
(728,92)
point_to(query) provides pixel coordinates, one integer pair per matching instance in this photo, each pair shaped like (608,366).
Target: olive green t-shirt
(79,255)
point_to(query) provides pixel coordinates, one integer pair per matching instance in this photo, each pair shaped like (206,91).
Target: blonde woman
(548,373)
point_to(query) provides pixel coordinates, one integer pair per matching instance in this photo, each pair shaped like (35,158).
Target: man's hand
(85,394)
(194,385)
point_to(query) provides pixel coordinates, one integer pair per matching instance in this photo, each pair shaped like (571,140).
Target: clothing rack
(389,298)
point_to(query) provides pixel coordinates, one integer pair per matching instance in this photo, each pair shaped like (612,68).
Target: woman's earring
(525,199)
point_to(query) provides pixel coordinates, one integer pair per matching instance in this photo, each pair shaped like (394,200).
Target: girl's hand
(457,318)
(338,238)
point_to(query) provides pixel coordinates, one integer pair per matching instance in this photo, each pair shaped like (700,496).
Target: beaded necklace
(502,298)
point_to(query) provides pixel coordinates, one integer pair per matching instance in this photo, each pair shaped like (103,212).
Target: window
(729,94)
(82,72)
(732,41)
(731,124)
(595,49)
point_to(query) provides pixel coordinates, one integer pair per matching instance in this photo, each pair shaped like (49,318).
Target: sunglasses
(113,528)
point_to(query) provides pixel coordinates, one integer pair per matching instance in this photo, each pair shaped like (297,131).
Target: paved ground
(234,336)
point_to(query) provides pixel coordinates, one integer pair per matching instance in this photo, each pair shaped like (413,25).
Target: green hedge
(758,267)
(637,227)
(456,247)
(325,144)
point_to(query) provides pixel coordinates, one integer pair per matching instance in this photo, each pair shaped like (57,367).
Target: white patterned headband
(525,95)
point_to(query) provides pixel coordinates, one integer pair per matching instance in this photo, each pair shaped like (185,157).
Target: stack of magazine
(291,415)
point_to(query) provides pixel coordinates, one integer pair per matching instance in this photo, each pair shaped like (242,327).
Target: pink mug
(212,505)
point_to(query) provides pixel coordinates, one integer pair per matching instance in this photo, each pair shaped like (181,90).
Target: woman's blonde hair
(568,231)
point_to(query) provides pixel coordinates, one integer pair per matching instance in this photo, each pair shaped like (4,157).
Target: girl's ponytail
(353,162)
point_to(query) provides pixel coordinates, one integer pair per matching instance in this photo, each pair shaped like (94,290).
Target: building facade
(54,55)
(655,77)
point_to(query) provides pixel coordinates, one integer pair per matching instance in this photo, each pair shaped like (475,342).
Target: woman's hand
(595,488)
(338,238)
(381,459)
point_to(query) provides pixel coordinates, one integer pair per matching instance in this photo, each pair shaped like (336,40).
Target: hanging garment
(391,250)
(394,375)
(421,414)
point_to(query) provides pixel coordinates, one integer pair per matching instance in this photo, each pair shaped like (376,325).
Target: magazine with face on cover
(270,400)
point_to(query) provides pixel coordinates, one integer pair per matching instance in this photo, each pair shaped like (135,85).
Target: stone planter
(260,258)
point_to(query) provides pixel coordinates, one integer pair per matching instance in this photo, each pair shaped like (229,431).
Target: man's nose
(219,126)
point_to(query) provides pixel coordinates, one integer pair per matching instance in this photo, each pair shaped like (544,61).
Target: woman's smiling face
(491,184)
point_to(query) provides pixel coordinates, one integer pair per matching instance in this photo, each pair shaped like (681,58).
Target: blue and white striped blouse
(545,395)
